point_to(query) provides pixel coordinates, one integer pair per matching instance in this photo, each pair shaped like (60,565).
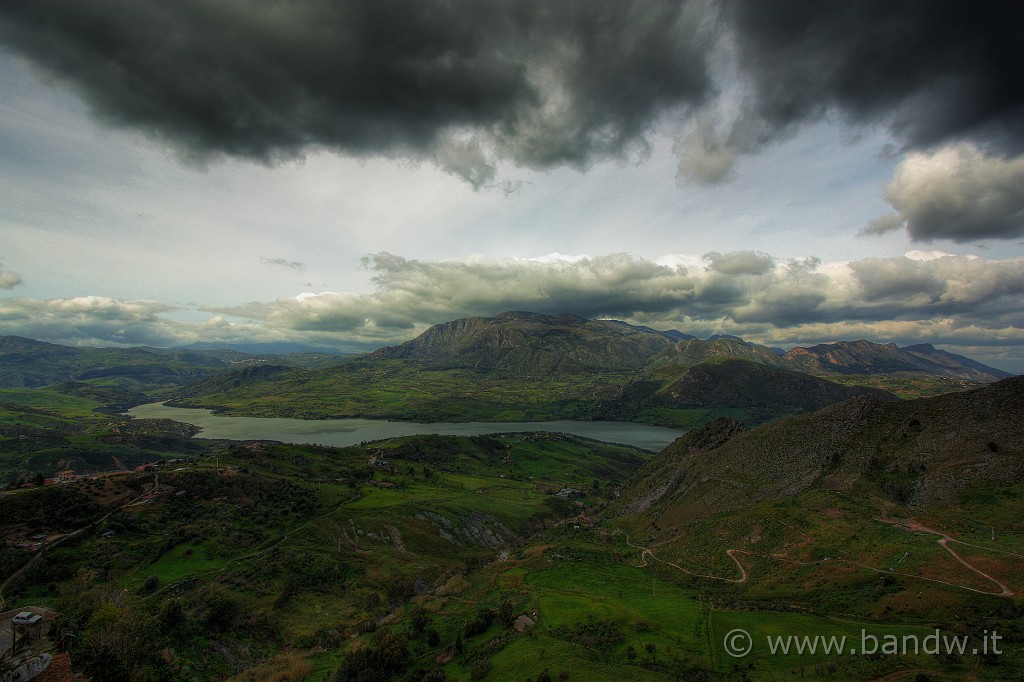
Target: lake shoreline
(342,432)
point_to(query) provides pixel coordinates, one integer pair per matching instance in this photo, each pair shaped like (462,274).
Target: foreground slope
(924,451)
(415,558)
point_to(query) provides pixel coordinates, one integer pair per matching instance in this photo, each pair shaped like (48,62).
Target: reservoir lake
(344,432)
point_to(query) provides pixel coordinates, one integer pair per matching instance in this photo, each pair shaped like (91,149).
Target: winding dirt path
(944,541)
(646,552)
(909,525)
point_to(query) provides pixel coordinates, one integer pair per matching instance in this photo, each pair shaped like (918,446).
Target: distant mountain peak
(540,318)
(527,343)
(866,357)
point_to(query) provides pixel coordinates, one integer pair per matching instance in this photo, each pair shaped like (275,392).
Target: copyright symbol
(738,643)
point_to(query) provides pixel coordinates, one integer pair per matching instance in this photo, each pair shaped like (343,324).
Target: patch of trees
(480,623)
(247,496)
(435,450)
(600,634)
(898,482)
(11,559)
(109,632)
(383,658)
(58,508)
(311,573)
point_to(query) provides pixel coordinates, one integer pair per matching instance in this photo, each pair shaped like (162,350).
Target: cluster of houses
(375,462)
(69,475)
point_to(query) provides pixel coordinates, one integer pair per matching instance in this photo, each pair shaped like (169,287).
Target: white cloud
(8,279)
(937,298)
(744,291)
(957,193)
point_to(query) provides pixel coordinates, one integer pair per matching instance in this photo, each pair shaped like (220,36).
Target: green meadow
(416,563)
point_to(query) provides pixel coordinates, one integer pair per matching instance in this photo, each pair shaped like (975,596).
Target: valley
(868,506)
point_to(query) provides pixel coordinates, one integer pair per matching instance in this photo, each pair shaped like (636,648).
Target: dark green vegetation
(46,430)
(412,558)
(256,547)
(122,377)
(925,451)
(526,366)
(418,558)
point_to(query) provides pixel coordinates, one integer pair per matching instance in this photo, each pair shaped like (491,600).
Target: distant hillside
(27,363)
(523,343)
(864,357)
(270,348)
(741,383)
(233,379)
(129,372)
(520,366)
(924,451)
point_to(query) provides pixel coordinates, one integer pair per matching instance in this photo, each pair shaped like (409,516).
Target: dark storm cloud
(469,83)
(546,83)
(931,69)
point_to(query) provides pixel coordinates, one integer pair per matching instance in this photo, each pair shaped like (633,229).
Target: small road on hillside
(944,541)
(910,525)
(646,552)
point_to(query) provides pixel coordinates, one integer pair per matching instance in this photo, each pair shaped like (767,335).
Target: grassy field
(412,556)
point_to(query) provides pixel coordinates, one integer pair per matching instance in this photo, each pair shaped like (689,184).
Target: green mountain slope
(926,451)
(522,344)
(27,363)
(890,518)
(527,366)
(864,357)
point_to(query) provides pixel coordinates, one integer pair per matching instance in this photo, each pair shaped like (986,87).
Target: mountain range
(28,363)
(516,366)
(533,343)
(522,366)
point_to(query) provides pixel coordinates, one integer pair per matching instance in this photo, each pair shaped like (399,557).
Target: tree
(383,659)
(631,653)
(171,616)
(506,613)
(418,622)
(394,651)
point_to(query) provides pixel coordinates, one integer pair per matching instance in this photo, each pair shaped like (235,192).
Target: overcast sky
(347,174)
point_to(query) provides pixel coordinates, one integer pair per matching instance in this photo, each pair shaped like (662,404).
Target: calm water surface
(342,432)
